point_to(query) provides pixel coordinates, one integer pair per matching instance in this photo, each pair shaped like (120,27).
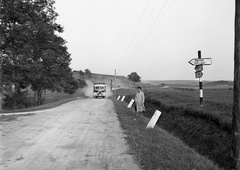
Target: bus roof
(99,83)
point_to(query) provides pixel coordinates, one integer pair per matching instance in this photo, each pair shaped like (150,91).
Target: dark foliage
(134,77)
(31,52)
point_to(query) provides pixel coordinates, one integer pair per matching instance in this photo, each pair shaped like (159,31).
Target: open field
(207,129)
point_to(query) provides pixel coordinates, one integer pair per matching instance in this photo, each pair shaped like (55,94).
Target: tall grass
(206,129)
(155,149)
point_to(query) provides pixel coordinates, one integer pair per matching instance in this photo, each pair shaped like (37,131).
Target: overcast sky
(155,38)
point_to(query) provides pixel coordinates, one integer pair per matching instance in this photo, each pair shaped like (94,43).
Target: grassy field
(217,102)
(207,129)
(155,149)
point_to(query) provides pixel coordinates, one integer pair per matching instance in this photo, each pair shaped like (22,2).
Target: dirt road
(84,135)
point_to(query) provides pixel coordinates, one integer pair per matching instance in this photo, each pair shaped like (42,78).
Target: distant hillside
(172,82)
(121,81)
(191,83)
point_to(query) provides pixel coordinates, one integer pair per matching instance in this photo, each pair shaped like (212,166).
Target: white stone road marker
(130,104)
(123,98)
(154,119)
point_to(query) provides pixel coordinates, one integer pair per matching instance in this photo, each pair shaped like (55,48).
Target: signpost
(199,67)
(198,63)
(198,74)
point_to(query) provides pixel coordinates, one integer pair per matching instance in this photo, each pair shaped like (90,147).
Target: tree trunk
(45,94)
(1,85)
(39,94)
(236,92)
(34,97)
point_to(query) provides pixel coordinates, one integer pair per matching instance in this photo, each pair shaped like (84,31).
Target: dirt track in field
(81,135)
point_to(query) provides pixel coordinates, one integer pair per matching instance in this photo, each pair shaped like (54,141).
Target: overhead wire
(140,24)
(149,18)
(145,36)
(150,30)
(137,26)
(134,34)
(163,16)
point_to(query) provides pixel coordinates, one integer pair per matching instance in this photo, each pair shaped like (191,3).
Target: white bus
(99,90)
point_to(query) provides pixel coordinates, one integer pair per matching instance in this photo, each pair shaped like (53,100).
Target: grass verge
(46,105)
(156,149)
(196,128)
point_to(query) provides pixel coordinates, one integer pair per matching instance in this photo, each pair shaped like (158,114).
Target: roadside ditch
(200,131)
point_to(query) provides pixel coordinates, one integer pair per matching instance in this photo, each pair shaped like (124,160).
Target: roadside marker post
(154,119)
(118,97)
(198,63)
(130,104)
(123,98)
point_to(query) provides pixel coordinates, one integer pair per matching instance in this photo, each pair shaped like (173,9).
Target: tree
(82,74)
(31,53)
(134,77)
(88,73)
(71,86)
(81,83)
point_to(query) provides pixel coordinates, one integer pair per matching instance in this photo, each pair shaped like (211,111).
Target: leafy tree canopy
(134,77)
(31,51)
(86,74)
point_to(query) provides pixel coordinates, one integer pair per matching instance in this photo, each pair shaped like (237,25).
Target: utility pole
(1,84)
(115,84)
(111,85)
(236,91)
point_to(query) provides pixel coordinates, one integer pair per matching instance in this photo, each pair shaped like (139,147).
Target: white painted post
(123,98)
(118,97)
(154,119)
(130,104)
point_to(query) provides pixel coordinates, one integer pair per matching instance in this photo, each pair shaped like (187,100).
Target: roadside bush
(16,101)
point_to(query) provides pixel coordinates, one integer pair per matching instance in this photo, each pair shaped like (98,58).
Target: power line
(148,19)
(136,29)
(150,29)
(145,36)
(138,40)
(154,21)
(163,15)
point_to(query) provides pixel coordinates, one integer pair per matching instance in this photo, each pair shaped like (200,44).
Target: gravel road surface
(84,134)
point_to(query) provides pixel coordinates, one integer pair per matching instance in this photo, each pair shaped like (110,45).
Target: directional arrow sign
(203,61)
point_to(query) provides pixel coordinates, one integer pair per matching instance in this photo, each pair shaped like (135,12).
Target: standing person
(139,100)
